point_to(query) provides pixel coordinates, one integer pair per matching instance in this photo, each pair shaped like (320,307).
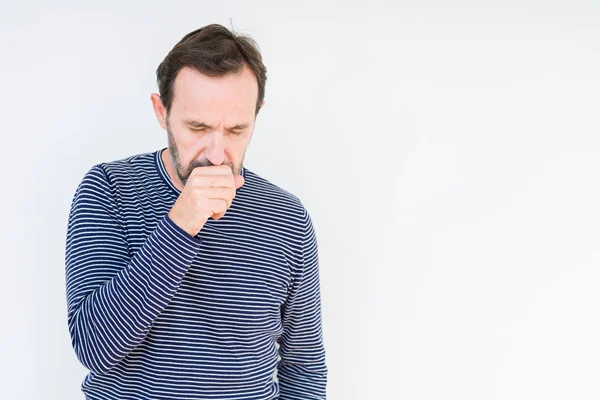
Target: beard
(184,173)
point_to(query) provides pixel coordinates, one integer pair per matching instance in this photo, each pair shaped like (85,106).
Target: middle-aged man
(189,276)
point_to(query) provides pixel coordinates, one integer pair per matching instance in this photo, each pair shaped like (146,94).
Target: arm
(113,297)
(302,371)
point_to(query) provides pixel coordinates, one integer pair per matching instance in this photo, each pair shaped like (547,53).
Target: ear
(159,110)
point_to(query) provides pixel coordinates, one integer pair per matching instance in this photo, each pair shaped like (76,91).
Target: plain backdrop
(448,153)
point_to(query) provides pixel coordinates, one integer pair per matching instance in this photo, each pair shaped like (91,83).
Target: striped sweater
(233,312)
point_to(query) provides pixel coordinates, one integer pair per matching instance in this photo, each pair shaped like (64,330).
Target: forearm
(107,322)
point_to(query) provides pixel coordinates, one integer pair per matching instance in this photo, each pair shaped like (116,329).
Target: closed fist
(207,193)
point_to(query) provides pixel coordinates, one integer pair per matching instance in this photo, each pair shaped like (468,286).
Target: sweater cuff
(180,235)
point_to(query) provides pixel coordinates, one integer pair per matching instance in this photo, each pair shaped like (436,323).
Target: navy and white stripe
(156,313)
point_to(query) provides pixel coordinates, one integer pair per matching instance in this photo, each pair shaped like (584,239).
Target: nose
(215,149)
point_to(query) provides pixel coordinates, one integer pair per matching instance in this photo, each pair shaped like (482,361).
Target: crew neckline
(162,171)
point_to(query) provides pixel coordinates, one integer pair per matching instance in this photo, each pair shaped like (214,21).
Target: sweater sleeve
(302,371)
(113,297)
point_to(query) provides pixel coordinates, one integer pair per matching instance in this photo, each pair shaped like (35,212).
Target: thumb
(239,181)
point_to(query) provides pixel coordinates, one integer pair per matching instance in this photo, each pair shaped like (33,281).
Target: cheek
(236,147)
(190,143)
(185,136)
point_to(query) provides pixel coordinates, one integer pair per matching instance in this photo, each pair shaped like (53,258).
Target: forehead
(214,97)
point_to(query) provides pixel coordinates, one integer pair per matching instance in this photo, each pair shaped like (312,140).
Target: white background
(448,153)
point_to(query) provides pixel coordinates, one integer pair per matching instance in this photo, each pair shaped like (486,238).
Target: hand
(207,193)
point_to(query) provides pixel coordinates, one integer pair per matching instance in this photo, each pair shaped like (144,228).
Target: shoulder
(268,196)
(132,168)
(104,180)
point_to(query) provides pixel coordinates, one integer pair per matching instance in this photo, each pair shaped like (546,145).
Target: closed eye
(203,129)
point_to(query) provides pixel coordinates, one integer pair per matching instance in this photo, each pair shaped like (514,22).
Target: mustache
(204,163)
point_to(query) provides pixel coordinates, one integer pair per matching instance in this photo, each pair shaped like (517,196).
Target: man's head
(212,86)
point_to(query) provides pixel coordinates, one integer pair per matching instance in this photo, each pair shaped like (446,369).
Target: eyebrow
(200,124)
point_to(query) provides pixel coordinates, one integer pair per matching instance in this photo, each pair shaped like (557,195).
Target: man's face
(211,120)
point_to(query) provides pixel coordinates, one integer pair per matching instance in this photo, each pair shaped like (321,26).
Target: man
(189,276)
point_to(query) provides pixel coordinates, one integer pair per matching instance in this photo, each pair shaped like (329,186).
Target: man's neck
(168,163)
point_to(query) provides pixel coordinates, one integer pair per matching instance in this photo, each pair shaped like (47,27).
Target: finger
(213,170)
(218,206)
(216,181)
(239,181)
(226,194)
